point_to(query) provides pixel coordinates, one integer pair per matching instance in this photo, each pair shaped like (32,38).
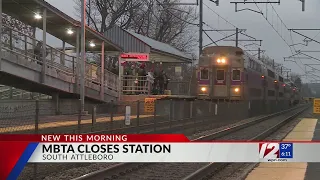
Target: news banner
(18,150)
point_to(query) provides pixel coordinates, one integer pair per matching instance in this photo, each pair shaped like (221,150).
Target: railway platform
(62,121)
(308,129)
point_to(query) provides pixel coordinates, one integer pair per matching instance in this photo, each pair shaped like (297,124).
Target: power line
(220,17)
(271,24)
(282,24)
(244,46)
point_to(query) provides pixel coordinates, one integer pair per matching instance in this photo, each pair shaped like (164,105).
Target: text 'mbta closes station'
(136,57)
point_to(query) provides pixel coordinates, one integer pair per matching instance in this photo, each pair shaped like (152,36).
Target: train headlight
(236,90)
(221,61)
(203,89)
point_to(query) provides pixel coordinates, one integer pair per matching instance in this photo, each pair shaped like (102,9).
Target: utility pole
(89,11)
(83,52)
(200,27)
(303,4)
(237,37)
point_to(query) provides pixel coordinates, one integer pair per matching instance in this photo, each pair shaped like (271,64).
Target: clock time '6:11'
(286,154)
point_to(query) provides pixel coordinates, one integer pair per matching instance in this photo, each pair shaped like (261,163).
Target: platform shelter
(139,48)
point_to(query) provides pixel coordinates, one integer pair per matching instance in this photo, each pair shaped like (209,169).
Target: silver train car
(229,73)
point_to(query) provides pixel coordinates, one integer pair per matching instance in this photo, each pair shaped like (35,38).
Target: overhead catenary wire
(228,22)
(234,26)
(279,33)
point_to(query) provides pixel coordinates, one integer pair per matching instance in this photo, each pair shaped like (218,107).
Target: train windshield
(204,74)
(220,75)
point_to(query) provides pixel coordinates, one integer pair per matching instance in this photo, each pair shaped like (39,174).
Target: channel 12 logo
(275,152)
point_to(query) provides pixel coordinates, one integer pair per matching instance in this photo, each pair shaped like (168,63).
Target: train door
(204,81)
(265,87)
(236,83)
(220,89)
(276,87)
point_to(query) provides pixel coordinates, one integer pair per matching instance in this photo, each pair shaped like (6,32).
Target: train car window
(236,75)
(220,74)
(270,73)
(280,79)
(204,74)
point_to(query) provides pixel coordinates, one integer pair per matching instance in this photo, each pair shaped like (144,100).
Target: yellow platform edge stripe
(303,131)
(63,124)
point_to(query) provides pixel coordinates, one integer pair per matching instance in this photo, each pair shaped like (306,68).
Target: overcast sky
(290,11)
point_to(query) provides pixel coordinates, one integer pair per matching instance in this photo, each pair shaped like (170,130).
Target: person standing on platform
(142,78)
(133,77)
(126,78)
(37,53)
(166,80)
(157,74)
(161,82)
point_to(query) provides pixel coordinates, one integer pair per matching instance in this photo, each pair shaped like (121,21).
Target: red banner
(96,138)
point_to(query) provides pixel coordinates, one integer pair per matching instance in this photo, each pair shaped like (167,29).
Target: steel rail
(212,168)
(129,167)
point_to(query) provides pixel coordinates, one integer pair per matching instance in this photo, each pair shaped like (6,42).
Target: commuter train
(229,73)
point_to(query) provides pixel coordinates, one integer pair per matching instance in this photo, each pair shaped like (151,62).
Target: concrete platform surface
(304,131)
(313,169)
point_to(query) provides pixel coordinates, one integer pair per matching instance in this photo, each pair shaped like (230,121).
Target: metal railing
(58,63)
(136,84)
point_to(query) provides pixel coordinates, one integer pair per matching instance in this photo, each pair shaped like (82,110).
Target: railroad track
(257,129)
(191,128)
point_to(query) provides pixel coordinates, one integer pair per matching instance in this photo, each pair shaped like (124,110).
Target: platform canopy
(137,43)
(58,23)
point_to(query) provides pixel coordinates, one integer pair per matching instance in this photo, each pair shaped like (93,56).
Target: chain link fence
(159,116)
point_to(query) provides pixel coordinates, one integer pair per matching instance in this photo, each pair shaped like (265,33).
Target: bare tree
(167,23)
(19,29)
(157,19)
(16,25)
(296,78)
(104,14)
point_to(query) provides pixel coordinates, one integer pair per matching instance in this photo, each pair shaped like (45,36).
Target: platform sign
(149,104)
(135,57)
(316,106)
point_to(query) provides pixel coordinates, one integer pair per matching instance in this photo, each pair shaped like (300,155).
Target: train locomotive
(229,73)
